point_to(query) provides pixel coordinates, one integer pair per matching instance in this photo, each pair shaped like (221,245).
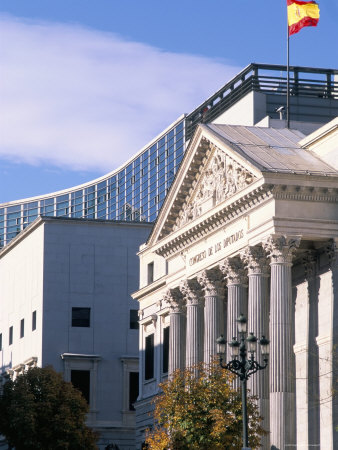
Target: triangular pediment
(221,178)
(211,173)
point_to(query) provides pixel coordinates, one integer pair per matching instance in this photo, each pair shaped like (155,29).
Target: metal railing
(269,79)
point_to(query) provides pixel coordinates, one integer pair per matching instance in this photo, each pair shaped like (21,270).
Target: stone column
(177,330)
(235,274)
(257,264)
(281,362)
(211,281)
(193,296)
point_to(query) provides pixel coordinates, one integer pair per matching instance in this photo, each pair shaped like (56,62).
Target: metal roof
(271,149)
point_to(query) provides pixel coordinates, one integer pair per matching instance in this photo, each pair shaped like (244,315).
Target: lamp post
(242,365)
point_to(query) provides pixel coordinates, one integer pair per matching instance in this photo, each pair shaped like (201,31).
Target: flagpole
(288,74)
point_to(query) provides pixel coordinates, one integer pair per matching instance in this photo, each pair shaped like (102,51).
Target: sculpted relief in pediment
(222,178)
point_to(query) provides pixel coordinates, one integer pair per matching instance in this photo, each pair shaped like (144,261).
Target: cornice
(322,132)
(305,193)
(146,290)
(174,196)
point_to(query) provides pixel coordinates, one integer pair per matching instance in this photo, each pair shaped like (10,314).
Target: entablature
(237,207)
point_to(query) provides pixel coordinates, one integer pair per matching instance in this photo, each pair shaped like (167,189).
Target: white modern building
(250,225)
(65,289)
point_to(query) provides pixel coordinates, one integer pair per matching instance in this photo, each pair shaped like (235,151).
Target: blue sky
(84,84)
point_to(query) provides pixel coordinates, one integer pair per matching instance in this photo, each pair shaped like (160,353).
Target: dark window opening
(10,337)
(165,360)
(81,380)
(149,357)
(133,322)
(33,320)
(133,389)
(22,328)
(150,272)
(80,317)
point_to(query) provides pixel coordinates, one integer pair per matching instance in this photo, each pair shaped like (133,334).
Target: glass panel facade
(133,193)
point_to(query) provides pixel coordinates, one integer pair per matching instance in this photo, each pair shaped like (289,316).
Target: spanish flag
(302,14)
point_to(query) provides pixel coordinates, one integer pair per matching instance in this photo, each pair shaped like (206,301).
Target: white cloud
(85,99)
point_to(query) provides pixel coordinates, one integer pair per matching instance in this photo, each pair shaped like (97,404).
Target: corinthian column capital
(255,261)
(175,300)
(211,281)
(281,248)
(234,271)
(309,260)
(191,291)
(332,252)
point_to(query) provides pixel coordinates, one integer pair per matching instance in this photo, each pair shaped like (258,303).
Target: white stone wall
(73,263)
(21,293)
(159,264)
(246,111)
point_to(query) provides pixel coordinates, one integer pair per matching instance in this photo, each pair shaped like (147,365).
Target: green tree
(39,410)
(203,412)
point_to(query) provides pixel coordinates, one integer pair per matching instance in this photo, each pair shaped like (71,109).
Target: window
(10,336)
(0,342)
(22,328)
(133,389)
(150,272)
(33,320)
(80,317)
(81,381)
(133,324)
(149,357)
(165,356)
(82,370)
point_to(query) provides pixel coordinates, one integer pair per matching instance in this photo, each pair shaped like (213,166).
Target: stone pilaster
(327,341)
(193,295)
(257,264)
(211,282)
(306,356)
(237,281)
(281,363)
(177,330)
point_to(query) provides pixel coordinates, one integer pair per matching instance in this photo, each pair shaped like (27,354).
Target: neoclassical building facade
(250,225)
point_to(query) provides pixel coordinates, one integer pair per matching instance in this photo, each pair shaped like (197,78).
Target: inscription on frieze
(217,247)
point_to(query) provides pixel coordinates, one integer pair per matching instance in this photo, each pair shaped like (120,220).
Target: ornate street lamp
(243,365)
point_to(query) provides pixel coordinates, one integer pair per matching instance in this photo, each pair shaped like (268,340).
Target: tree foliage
(203,412)
(39,410)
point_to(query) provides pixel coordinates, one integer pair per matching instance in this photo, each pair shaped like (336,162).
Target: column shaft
(281,363)
(177,330)
(258,323)
(233,270)
(213,313)
(211,281)
(237,304)
(176,341)
(192,293)
(194,345)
